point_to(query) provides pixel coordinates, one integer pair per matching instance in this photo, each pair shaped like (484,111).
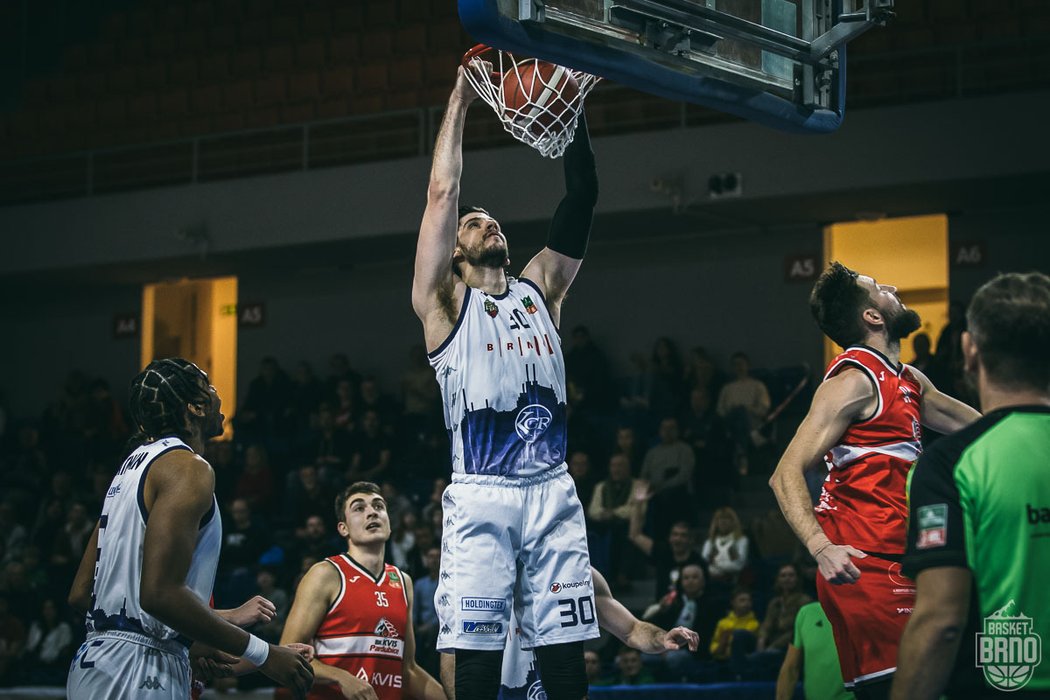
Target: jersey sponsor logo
(904,611)
(491,309)
(1009,649)
(532,422)
(530,307)
(557,587)
(522,344)
(482,627)
(536,691)
(486,604)
(901,584)
(933,526)
(151,683)
(389,680)
(113,491)
(1037,515)
(385,628)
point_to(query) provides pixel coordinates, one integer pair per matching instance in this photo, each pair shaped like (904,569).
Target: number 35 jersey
(502,378)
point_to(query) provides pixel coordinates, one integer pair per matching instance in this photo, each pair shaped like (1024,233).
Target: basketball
(536,94)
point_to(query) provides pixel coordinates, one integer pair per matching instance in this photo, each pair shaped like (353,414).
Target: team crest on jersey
(529,305)
(394,580)
(491,309)
(532,422)
(385,628)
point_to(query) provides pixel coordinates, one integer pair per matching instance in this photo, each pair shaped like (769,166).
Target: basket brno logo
(1009,649)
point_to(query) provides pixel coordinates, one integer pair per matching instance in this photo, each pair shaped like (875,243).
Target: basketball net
(547,124)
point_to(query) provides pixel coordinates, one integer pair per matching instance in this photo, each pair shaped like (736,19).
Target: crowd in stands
(658,458)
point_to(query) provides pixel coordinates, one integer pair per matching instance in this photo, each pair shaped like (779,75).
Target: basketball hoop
(537,102)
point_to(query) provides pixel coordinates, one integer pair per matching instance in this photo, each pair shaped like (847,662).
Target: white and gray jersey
(122,529)
(502,378)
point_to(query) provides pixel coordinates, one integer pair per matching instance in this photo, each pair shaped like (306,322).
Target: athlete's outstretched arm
(418,683)
(940,411)
(178,492)
(555,267)
(432,281)
(931,638)
(787,679)
(837,402)
(637,634)
(84,581)
(315,595)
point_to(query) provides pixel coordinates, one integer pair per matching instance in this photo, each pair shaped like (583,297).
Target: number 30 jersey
(502,378)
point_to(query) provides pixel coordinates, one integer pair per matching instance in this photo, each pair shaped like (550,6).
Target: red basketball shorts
(868,618)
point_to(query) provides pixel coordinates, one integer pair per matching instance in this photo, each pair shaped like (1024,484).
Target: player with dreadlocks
(150,564)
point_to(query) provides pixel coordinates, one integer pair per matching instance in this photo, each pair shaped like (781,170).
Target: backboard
(778,62)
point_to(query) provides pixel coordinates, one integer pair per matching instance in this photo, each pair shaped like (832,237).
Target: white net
(537,102)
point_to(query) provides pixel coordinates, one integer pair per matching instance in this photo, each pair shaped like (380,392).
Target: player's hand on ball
(255,611)
(836,565)
(287,667)
(353,688)
(464,90)
(681,637)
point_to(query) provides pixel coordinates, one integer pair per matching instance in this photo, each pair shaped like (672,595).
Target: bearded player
(514,528)
(865,423)
(357,611)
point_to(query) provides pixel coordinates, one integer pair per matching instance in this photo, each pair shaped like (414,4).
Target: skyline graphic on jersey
(502,442)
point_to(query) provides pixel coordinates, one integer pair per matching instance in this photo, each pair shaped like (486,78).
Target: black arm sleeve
(571,225)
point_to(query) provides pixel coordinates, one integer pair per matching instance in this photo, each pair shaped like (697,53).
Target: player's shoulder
(322,574)
(183,464)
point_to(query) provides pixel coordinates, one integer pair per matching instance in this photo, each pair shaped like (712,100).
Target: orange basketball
(536,93)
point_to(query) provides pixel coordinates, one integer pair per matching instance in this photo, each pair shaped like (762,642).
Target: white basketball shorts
(518,543)
(129,665)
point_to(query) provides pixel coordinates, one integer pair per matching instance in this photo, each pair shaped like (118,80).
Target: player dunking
(514,527)
(154,553)
(865,423)
(359,611)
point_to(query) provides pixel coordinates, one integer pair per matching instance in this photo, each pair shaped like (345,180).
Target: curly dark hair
(837,302)
(159,395)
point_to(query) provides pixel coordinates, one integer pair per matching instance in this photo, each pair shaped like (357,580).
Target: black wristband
(570,228)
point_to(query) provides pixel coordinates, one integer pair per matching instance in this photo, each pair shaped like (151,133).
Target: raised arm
(643,636)
(555,267)
(433,282)
(315,595)
(836,403)
(178,492)
(940,411)
(640,496)
(418,683)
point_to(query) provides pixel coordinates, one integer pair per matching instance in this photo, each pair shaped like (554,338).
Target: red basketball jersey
(364,631)
(864,500)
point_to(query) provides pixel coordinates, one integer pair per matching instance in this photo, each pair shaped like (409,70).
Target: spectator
(668,468)
(372,399)
(256,483)
(69,542)
(778,627)
(371,455)
(397,504)
(630,670)
(420,392)
(12,533)
(701,372)
(610,512)
(339,371)
(627,444)
(726,552)
(49,647)
(329,446)
(592,664)
(667,395)
(345,406)
(923,359)
(12,641)
(744,404)
(426,538)
(314,541)
(267,404)
(425,613)
(637,388)
(243,541)
(306,395)
(704,431)
(307,496)
(266,585)
(588,370)
(582,476)
(688,606)
(740,623)
(402,540)
(434,502)
(668,556)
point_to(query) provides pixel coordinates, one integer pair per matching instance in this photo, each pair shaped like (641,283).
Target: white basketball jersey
(502,380)
(122,529)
